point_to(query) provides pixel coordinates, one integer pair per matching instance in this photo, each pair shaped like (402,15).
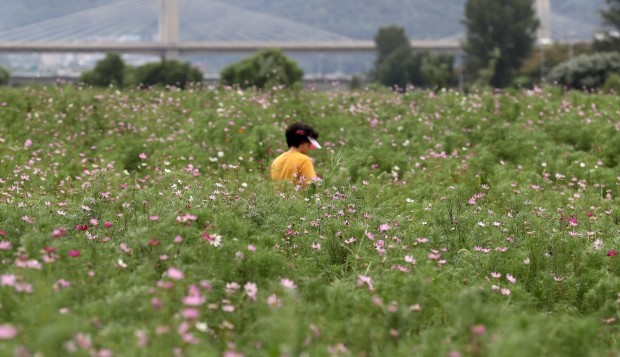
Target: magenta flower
(73,253)
(107,224)
(612,253)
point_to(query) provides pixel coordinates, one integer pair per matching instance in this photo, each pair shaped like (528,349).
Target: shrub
(171,73)
(4,76)
(109,71)
(612,83)
(265,69)
(586,71)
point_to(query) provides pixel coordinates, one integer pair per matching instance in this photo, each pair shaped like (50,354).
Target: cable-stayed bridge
(132,26)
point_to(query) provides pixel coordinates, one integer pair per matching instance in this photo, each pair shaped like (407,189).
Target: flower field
(144,223)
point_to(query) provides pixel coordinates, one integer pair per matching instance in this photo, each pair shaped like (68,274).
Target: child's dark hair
(298,133)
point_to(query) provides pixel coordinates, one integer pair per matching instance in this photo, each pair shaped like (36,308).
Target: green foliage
(437,71)
(5,75)
(586,71)
(265,69)
(109,71)
(166,73)
(612,83)
(555,54)
(500,35)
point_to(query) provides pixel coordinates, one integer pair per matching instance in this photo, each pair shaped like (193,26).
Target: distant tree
(263,70)
(166,73)
(499,36)
(610,40)
(437,70)
(611,16)
(397,68)
(397,65)
(389,40)
(108,71)
(4,76)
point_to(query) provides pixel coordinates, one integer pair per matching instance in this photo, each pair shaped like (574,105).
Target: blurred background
(440,22)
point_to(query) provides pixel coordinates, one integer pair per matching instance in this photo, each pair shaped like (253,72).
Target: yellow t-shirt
(293,166)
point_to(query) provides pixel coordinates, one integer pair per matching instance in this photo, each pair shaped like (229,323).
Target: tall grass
(144,223)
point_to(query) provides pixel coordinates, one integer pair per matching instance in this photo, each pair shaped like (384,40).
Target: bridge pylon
(169,28)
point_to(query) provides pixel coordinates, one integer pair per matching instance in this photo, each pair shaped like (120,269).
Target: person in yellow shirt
(295,165)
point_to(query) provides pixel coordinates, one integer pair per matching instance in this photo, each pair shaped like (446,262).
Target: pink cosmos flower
(194,296)
(5,245)
(7,280)
(58,233)
(190,314)
(7,332)
(28,143)
(251,248)
(107,224)
(73,253)
(184,218)
(384,227)
(141,337)
(287,283)
(478,329)
(174,273)
(142,156)
(251,290)
(125,248)
(273,301)
(363,279)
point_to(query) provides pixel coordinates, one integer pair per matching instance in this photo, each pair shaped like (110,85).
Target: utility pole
(169,28)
